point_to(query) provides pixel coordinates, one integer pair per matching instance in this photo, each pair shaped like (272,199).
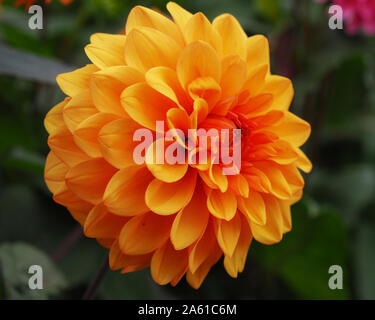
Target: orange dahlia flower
(190,73)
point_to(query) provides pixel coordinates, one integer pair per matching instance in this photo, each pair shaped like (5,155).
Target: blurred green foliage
(334,223)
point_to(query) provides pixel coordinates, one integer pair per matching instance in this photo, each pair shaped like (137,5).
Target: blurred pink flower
(358,15)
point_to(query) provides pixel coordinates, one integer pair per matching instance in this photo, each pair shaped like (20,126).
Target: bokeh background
(334,224)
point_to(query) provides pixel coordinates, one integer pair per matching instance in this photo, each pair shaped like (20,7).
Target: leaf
(30,66)
(16,258)
(365,261)
(305,254)
(134,285)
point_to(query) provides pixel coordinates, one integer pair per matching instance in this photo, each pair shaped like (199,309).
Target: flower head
(191,74)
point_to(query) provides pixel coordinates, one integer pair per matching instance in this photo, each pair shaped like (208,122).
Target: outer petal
(282,90)
(117,143)
(54,122)
(168,198)
(78,109)
(128,263)
(106,50)
(145,105)
(190,222)
(292,129)
(100,223)
(253,207)
(199,28)
(74,82)
(86,134)
(167,263)
(63,145)
(54,172)
(164,80)
(198,60)
(236,262)
(141,16)
(222,205)
(179,14)
(258,51)
(233,75)
(89,179)
(279,185)
(146,48)
(272,231)
(107,86)
(125,192)
(232,34)
(145,233)
(77,207)
(228,233)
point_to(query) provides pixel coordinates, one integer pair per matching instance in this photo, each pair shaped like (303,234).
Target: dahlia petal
(292,129)
(168,198)
(258,51)
(78,109)
(205,88)
(282,90)
(145,105)
(258,180)
(303,162)
(286,214)
(236,263)
(195,279)
(119,260)
(202,249)
(141,16)
(222,205)
(72,83)
(63,145)
(239,185)
(233,37)
(272,231)
(279,185)
(256,79)
(145,233)
(89,179)
(198,60)
(164,171)
(54,172)
(199,28)
(106,50)
(164,80)
(125,192)
(167,263)
(255,105)
(78,208)
(54,122)
(218,178)
(107,86)
(100,223)
(228,233)
(86,134)
(146,48)
(117,143)
(233,75)
(179,14)
(178,119)
(253,207)
(190,222)
(199,113)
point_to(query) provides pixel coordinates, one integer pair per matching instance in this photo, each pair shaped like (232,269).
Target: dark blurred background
(334,224)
